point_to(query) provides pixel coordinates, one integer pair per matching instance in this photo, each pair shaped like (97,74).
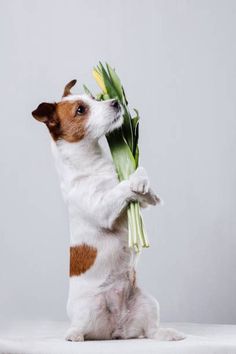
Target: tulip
(97,76)
(123,145)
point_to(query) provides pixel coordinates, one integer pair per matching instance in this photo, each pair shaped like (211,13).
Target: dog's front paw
(74,335)
(168,334)
(139,182)
(151,198)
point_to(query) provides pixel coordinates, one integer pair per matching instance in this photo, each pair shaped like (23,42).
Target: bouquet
(123,144)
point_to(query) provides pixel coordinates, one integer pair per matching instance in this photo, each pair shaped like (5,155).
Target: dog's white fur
(102,302)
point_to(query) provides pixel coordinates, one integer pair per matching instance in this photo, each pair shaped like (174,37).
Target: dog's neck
(78,156)
(75,161)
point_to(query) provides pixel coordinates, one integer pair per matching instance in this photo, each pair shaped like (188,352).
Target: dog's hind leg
(152,329)
(144,320)
(164,334)
(74,334)
(79,312)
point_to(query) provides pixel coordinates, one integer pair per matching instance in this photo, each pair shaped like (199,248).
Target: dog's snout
(115,104)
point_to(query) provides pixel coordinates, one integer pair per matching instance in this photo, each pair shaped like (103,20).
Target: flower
(98,77)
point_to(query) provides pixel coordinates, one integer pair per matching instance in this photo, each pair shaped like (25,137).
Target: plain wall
(177,61)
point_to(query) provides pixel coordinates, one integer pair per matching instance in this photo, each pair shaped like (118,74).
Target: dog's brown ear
(68,87)
(46,113)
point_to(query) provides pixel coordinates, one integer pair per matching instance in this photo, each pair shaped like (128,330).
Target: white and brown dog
(104,300)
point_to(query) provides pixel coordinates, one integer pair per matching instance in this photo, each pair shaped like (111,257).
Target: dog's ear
(68,87)
(46,113)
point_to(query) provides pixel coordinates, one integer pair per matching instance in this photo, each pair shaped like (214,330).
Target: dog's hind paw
(168,334)
(74,335)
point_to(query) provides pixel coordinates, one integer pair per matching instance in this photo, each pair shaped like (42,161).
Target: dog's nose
(115,104)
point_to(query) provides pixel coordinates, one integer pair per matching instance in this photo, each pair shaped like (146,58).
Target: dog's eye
(80,110)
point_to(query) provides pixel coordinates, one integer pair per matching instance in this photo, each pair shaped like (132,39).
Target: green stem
(130,233)
(134,216)
(137,235)
(144,235)
(133,225)
(138,223)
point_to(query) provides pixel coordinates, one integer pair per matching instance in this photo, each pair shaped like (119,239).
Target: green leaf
(136,157)
(124,95)
(99,67)
(122,155)
(108,83)
(116,82)
(128,129)
(135,145)
(87,91)
(106,97)
(135,123)
(137,113)
(99,97)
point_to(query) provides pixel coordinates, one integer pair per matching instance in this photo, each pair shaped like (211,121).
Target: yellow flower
(97,76)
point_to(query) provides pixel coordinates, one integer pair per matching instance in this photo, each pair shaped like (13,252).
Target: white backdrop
(177,62)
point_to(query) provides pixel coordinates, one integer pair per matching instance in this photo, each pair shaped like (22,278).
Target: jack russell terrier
(104,299)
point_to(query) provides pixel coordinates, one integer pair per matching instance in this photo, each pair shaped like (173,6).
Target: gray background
(177,62)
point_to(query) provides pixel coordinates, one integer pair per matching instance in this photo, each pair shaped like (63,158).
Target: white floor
(47,338)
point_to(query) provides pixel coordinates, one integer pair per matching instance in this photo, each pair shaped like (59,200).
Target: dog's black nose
(115,104)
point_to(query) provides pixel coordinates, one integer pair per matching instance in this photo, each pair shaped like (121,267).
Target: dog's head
(76,117)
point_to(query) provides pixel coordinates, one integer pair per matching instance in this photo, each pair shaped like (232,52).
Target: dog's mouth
(116,122)
(117,118)
(118,115)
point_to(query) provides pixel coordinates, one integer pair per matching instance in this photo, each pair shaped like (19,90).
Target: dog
(104,300)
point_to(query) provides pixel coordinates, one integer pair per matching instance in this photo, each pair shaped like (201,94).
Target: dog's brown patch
(82,258)
(62,119)
(72,127)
